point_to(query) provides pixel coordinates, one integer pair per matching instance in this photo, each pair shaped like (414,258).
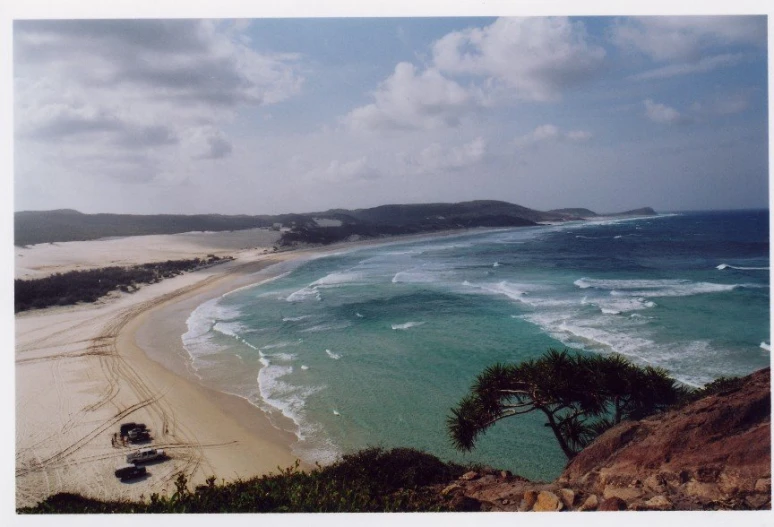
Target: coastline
(82,370)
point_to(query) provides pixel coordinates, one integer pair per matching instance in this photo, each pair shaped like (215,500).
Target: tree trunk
(570,453)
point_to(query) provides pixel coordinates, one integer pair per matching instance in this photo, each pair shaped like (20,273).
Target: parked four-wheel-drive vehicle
(129,471)
(145,454)
(137,435)
(127,428)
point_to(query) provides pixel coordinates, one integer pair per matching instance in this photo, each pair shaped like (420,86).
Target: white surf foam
(334,356)
(415,276)
(587,283)
(288,399)
(231,329)
(740,268)
(496,264)
(326,327)
(618,305)
(295,319)
(407,325)
(282,344)
(304,294)
(654,288)
(337,279)
(208,316)
(765,345)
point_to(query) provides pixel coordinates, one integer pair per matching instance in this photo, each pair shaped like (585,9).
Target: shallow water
(373,346)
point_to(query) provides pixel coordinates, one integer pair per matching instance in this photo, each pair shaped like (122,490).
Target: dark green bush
(372,480)
(61,289)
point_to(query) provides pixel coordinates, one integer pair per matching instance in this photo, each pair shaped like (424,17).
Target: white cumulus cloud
(410,99)
(536,58)
(661,113)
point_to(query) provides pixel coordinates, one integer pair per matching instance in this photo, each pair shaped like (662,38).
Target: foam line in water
(654,288)
(407,325)
(326,327)
(740,268)
(334,356)
(304,294)
(765,345)
(210,315)
(337,279)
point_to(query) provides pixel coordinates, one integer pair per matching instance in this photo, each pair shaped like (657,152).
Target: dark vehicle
(128,427)
(137,435)
(127,472)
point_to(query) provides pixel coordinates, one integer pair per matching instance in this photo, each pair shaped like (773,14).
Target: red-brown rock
(715,450)
(612,504)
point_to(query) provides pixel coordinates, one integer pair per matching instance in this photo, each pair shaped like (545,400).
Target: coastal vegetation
(61,289)
(33,227)
(580,395)
(679,452)
(372,480)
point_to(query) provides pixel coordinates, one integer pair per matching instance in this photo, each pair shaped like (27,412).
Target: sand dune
(37,261)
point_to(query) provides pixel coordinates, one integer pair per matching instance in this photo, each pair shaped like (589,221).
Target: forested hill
(31,227)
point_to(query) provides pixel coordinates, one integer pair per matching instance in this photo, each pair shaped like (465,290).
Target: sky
(267,116)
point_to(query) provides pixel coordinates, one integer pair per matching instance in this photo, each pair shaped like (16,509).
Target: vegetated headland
(33,227)
(709,449)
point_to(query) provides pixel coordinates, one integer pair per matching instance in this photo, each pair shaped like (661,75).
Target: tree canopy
(581,396)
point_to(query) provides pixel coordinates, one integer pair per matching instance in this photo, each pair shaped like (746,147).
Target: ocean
(373,346)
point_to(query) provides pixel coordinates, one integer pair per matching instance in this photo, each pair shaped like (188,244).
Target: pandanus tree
(580,395)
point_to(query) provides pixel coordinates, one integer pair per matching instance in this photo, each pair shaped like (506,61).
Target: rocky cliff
(714,453)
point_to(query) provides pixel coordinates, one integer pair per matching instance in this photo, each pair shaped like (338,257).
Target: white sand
(37,261)
(79,374)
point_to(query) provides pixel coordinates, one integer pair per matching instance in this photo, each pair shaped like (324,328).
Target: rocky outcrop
(714,453)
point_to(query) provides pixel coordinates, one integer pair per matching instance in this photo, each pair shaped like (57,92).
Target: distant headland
(335,225)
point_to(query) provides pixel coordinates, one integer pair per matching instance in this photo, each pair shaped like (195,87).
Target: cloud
(522,58)
(661,113)
(722,104)
(689,44)
(437,157)
(703,65)
(709,108)
(550,132)
(409,99)
(159,88)
(218,146)
(687,38)
(535,58)
(336,171)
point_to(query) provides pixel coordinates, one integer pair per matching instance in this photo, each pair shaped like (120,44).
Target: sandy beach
(80,373)
(82,370)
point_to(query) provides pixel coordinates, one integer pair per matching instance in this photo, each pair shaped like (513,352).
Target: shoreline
(160,337)
(82,370)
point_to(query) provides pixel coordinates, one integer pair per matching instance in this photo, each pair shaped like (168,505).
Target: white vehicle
(145,454)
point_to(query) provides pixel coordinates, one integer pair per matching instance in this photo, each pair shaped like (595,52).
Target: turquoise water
(374,346)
